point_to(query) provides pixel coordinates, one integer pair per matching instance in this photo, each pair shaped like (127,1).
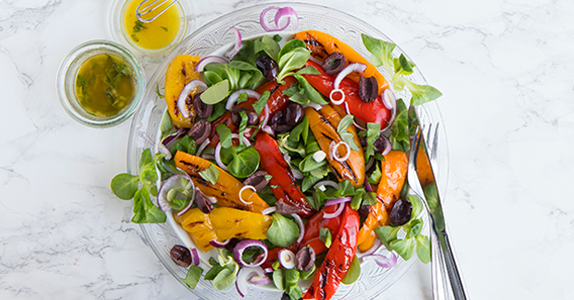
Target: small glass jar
(139,37)
(67,77)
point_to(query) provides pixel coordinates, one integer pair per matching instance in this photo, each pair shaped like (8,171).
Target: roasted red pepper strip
(339,258)
(276,102)
(374,112)
(283,183)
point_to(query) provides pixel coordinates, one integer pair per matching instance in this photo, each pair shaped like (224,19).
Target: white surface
(505,69)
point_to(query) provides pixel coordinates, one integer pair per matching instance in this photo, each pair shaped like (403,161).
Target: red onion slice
(390,102)
(282,13)
(268,130)
(301,227)
(187,89)
(297,174)
(383,261)
(202,147)
(254,275)
(171,138)
(372,250)
(218,157)
(368,187)
(237,45)
(194,257)
(269,210)
(336,213)
(242,246)
(338,200)
(211,59)
(218,244)
(235,95)
(332,95)
(287,258)
(267,116)
(388,145)
(243,189)
(243,138)
(323,183)
(354,67)
(335,154)
(370,163)
(161,148)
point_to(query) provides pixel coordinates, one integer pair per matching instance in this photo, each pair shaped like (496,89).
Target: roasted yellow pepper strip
(324,127)
(394,172)
(234,223)
(322,45)
(180,72)
(223,223)
(225,190)
(199,227)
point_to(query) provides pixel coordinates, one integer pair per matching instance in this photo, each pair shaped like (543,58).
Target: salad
(286,157)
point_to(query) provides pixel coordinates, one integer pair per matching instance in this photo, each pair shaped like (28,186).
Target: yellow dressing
(154,35)
(104,85)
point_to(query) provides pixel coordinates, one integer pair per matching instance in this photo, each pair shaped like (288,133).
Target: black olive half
(305,259)
(256,180)
(334,63)
(202,109)
(200,131)
(401,212)
(204,205)
(267,66)
(293,113)
(368,89)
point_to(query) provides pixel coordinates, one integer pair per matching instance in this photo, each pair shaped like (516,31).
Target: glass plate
(215,35)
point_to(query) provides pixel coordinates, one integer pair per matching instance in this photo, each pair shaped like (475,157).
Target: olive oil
(105,85)
(155,35)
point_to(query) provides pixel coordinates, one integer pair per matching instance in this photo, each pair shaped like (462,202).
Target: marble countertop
(505,69)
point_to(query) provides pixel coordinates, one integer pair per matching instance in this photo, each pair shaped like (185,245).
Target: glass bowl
(116,20)
(66,82)
(216,35)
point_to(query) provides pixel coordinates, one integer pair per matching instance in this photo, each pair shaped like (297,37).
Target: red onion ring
(211,59)
(242,246)
(330,183)
(338,200)
(188,88)
(301,227)
(336,213)
(390,102)
(202,147)
(388,145)
(353,67)
(217,155)
(235,95)
(335,154)
(237,45)
(166,186)
(334,92)
(268,130)
(218,244)
(279,15)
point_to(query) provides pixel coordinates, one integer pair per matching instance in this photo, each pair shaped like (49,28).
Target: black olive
(180,255)
(401,212)
(305,259)
(334,63)
(267,66)
(368,89)
(200,131)
(204,205)
(256,180)
(284,208)
(285,296)
(293,114)
(380,144)
(252,118)
(202,109)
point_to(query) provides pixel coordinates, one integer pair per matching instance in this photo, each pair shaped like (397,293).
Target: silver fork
(151,7)
(442,255)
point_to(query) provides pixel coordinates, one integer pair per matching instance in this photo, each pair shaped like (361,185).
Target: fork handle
(452,267)
(439,281)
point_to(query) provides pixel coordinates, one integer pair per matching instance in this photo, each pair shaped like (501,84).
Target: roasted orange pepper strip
(180,72)
(394,172)
(225,190)
(321,45)
(324,127)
